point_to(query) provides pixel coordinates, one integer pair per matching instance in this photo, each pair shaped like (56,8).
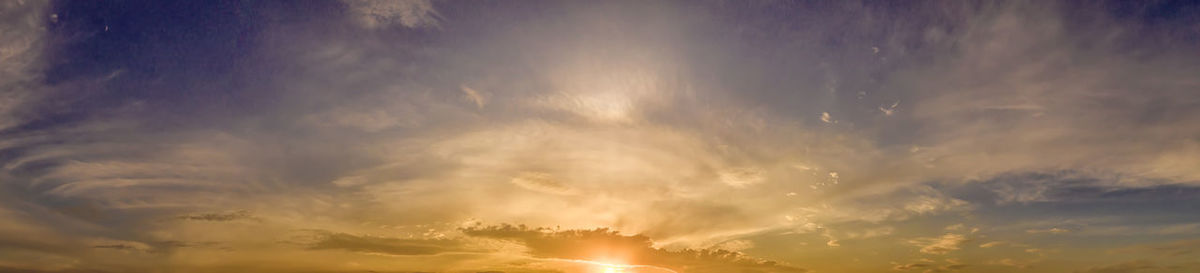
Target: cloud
(596,107)
(888,111)
(167,245)
(19,56)
(897,205)
(474,96)
(1125,267)
(325,240)
(1048,230)
(993,244)
(931,266)
(541,182)
(1082,186)
(927,204)
(1041,252)
(1012,263)
(735,245)
(1050,115)
(1172,248)
(953,267)
(219,217)
(607,245)
(940,245)
(382,13)
(27,270)
(905,267)
(742,177)
(868,233)
(117,247)
(640,117)
(826,118)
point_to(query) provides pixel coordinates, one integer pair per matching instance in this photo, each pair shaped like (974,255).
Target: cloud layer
(709,136)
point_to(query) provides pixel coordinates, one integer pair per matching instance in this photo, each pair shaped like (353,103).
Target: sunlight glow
(614,269)
(610,267)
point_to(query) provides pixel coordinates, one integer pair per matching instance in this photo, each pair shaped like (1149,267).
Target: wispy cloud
(940,245)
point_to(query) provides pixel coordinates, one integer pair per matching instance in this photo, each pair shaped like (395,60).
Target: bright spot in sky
(607,267)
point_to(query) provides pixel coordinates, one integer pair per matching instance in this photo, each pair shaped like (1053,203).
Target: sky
(700,136)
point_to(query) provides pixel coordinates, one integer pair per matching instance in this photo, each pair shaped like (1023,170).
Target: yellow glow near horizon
(609,267)
(612,267)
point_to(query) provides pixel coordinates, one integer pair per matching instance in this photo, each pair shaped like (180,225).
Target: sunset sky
(705,136)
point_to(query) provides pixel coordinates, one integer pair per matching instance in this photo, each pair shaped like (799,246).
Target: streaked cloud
(541,182)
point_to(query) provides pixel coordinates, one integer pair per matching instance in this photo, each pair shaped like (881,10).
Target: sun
(614,269)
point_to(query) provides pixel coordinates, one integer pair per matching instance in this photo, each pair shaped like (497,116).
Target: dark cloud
(325,240)
(955,266)
(1173,248)
(1125,267)
(219,217)
(166,246)
(118,247)
(911,266)
(1073,194)
(930,267)
(22,270)
(1078,186)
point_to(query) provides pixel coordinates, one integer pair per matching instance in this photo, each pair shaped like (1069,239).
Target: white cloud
(940,245)
(993,244)
(742,177)
(869,233)
(1048,230)
(888,111)
(474,96)
(350,181)
(541,182)
(826,118)
(735,245)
